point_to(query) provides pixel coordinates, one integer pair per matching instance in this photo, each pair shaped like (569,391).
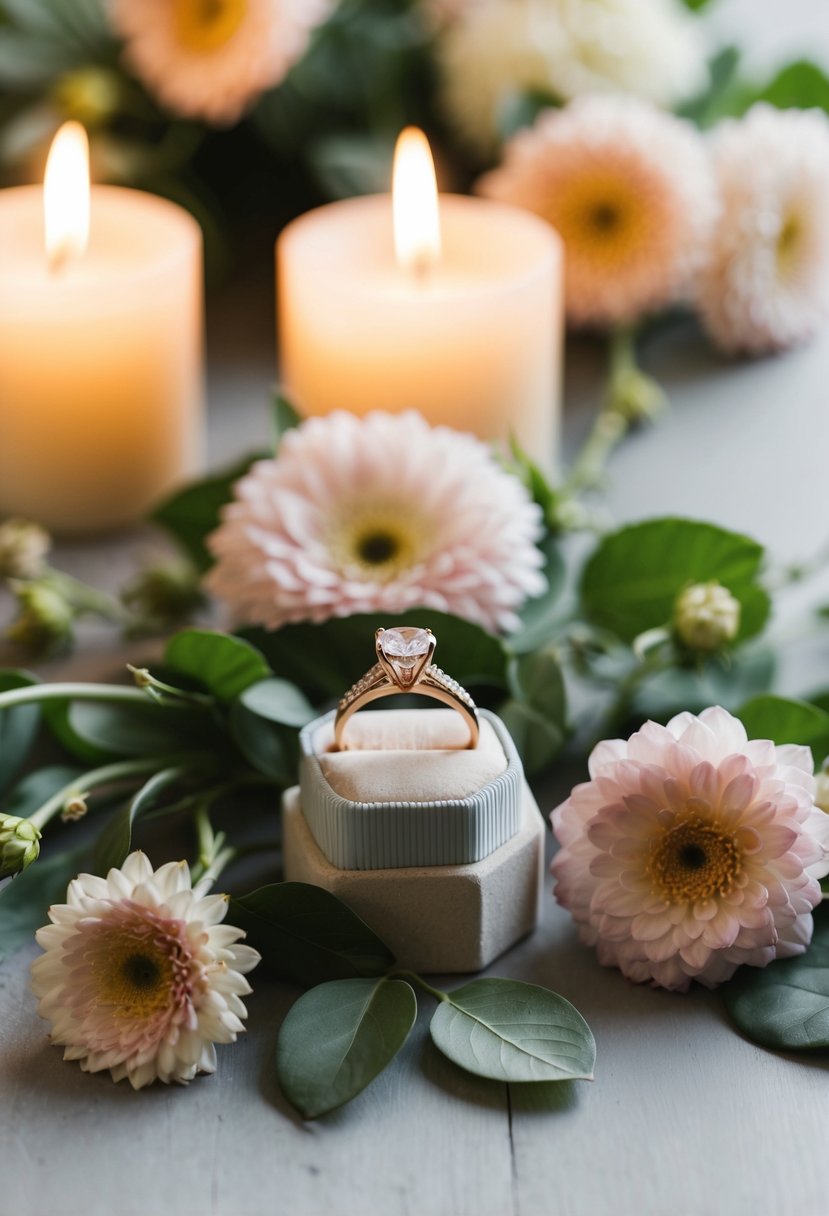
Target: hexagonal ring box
(438,847)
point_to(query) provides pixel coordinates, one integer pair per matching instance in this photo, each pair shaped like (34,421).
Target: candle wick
(421,267)
(58,258)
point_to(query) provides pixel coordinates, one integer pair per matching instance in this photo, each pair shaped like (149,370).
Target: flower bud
(19,844)
(706,617)
(90,95)
(163,596)
(636,397)
(23,548)
(43,624)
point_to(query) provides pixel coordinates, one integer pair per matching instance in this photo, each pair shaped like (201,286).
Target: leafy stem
(108,774)
(110,693)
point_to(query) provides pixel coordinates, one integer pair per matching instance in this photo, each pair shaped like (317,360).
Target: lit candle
(455,310)
(101,377)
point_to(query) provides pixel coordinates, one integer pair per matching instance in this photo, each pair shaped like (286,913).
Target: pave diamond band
(404,665)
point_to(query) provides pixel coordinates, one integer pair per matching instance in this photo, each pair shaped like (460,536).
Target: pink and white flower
(764,285)
(377,514)
(212,61)
(692,850)
(631,193)
(139,977)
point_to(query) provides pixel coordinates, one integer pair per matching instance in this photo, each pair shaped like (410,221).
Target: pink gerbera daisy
(692,850)
(138,976)
(379,513)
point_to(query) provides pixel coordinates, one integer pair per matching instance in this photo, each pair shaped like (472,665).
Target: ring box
(453,915)
(360,835)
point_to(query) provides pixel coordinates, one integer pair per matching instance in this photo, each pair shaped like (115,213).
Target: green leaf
(696,5)
(57,717)
(787,721)
(272,750)
(338,1037)
(327,659)
(26,899)
(225,665)
(117,730)
(278,701)
(726,680)
(521,109)
(18,727)
(723,96)
(191,514)
(536,713)
(284,418)
(632,579)
(38,787)
(785,1005)
(799,85)
(307,935)
(115,842)
(511,1031)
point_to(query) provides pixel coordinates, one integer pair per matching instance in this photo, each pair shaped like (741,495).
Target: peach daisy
(380,513)
(211,59)
(765,283)
(631,193)
(692,850)
(139,977)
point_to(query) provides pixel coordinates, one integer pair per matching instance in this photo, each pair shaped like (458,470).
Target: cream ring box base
(444,917)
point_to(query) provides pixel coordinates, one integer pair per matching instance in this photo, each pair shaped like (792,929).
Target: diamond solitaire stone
(405,650)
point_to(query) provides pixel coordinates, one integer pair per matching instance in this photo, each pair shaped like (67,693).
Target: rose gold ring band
(404,666)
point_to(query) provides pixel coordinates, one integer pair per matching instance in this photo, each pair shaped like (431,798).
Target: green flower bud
(163,596)
(636,396)
(19,844)
(43,624)
(23,548)
(90,95)
(706,617)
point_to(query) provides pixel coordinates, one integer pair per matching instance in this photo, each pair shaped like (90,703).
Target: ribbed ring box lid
(402,833)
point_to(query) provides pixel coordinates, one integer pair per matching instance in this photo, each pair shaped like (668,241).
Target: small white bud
(706,617)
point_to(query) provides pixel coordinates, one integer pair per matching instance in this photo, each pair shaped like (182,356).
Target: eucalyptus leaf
(224,664)
(191,514)
(327,659)
(18,727)
(728,681)
(511,1031)
(785,1005)
(632,579)
(307,935)
(115,842)
(26,898)
(538,740)
(338,1037)
(278,701)
(536,713)
(784,720)
(270,748)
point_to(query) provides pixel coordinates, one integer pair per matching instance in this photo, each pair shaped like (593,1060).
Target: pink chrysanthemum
(765,283)
(692,850)
(380,513)
(213,60)
(138,976)
(630,191)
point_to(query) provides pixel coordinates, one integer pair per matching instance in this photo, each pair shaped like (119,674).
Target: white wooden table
(684,1119)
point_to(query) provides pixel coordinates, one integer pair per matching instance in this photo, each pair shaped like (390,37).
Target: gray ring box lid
(395,835)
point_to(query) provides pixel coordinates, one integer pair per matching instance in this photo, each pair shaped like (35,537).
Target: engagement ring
(404,665)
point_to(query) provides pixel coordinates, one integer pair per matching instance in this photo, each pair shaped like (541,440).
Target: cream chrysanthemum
(380,513)
(139,977)
(498,49)
(765,283)
(212,58)
(629,190)
(692,850)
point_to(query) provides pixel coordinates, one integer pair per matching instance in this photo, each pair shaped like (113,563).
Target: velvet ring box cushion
(407,792)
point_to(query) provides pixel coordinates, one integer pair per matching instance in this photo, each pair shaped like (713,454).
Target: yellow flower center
(599,217)
(694,860)
(378,543)
(206,25)
(134,975)
(788,243)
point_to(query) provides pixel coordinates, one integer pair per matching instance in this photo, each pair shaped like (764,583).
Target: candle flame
(66,195)
(415,203)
